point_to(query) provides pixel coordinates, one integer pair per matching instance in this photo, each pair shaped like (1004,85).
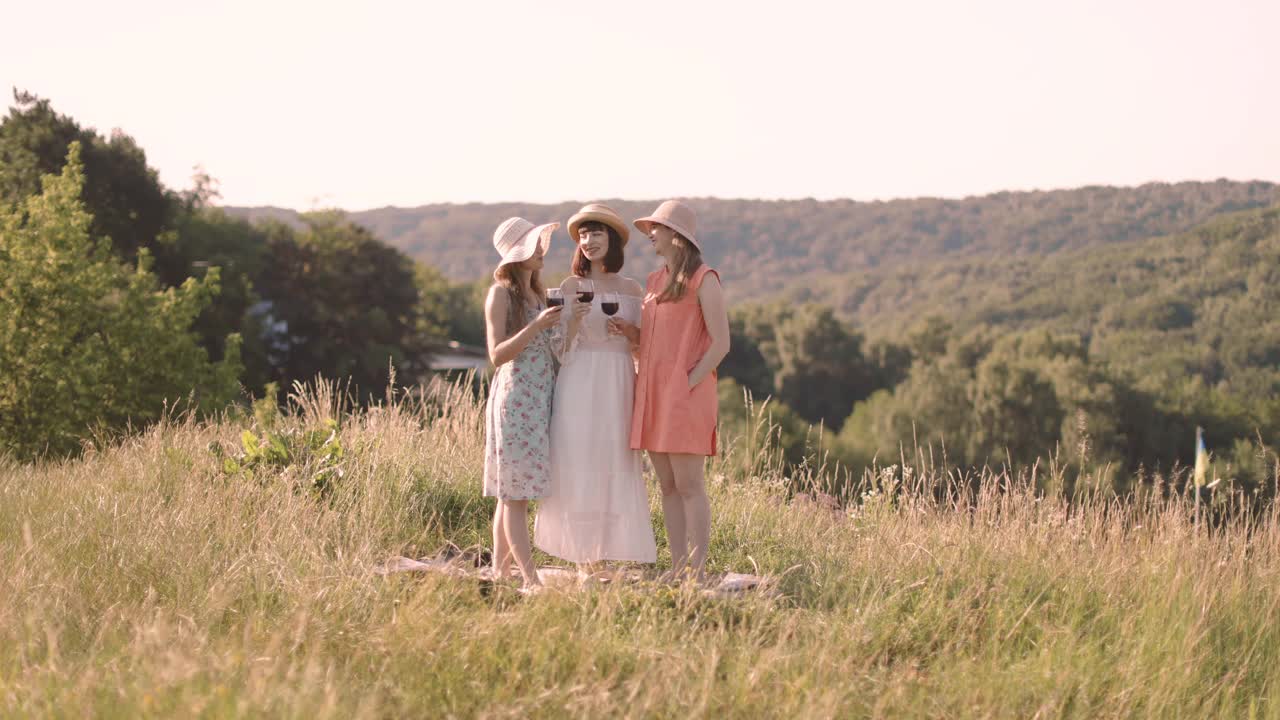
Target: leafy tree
(212,240)
(745,363)
(821,370)
(121,194)
(807,359)
(84,341)
(889,361)
(1018,397)
(450,311)
(347,304)
(930,409)
(466,312)
(1016,414)
(927,339)
(135,212)
(433,303)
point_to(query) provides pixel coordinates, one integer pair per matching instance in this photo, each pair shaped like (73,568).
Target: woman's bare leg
(673,512)
(691,488)
(515,523)
(501,550)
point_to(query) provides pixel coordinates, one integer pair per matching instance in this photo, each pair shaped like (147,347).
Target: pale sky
(360,105)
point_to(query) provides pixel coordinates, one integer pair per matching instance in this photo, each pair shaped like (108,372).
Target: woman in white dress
(598,507)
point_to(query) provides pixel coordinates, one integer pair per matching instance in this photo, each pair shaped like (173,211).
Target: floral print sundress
(517,463)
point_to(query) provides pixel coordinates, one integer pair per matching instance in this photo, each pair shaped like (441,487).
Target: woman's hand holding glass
(547,318)
(618,326)
(582,302)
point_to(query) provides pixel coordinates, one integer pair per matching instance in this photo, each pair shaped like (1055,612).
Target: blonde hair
(687,261)
(506,276)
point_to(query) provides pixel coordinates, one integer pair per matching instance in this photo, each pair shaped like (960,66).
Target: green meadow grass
(145,580)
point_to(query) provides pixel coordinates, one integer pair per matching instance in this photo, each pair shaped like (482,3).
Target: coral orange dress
(667,416)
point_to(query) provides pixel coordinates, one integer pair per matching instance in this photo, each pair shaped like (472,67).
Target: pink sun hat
(516,238)
(675,215)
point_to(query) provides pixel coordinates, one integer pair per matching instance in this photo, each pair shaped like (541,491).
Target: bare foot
(682,576)
(507,577)
(671,577)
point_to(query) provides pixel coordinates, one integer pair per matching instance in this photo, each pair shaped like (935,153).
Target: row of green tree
(1110,358)
(983,397)
(119,295)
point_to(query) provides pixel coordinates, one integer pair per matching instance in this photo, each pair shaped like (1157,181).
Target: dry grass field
(174,573)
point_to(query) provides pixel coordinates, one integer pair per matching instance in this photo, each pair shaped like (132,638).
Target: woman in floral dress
(517,467)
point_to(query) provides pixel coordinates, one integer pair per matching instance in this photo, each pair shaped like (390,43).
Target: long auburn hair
(506,276)
(687,261)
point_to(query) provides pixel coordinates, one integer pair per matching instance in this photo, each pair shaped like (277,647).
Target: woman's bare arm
(503,349)
(714,314)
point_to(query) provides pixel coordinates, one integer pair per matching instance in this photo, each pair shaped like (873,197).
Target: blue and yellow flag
(1202,459)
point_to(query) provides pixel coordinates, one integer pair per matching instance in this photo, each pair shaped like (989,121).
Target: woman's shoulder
(628,286)
(497,302)
(700,276)
(570,283)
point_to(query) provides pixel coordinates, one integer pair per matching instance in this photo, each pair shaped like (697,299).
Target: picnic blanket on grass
(473,564)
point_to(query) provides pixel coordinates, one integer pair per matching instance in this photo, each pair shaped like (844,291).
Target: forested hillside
(764,247)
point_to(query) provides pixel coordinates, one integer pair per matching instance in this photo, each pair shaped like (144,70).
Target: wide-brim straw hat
(597,212)
(517,238)
(675,215)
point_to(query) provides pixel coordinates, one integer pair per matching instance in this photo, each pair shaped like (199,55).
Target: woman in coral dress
(683,336)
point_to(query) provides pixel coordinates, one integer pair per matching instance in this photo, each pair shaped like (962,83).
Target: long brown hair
(686,262)
(516,306)
(613,257)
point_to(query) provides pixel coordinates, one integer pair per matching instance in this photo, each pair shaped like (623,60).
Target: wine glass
(609,304)
(586,291)
(555,297)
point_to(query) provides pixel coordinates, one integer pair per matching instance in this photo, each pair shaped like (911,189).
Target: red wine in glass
(610,304)
(586,296)
(554,298)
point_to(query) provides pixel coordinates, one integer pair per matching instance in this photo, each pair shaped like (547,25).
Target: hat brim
(612,221)
(523,250)
(644,224)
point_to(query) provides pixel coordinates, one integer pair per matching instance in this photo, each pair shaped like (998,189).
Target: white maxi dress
(597,507)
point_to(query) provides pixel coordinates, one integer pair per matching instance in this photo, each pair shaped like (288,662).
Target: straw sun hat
(596,212)
(516,238)
(675,215)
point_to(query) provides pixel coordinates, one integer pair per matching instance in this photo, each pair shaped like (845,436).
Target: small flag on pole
(1202,459)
